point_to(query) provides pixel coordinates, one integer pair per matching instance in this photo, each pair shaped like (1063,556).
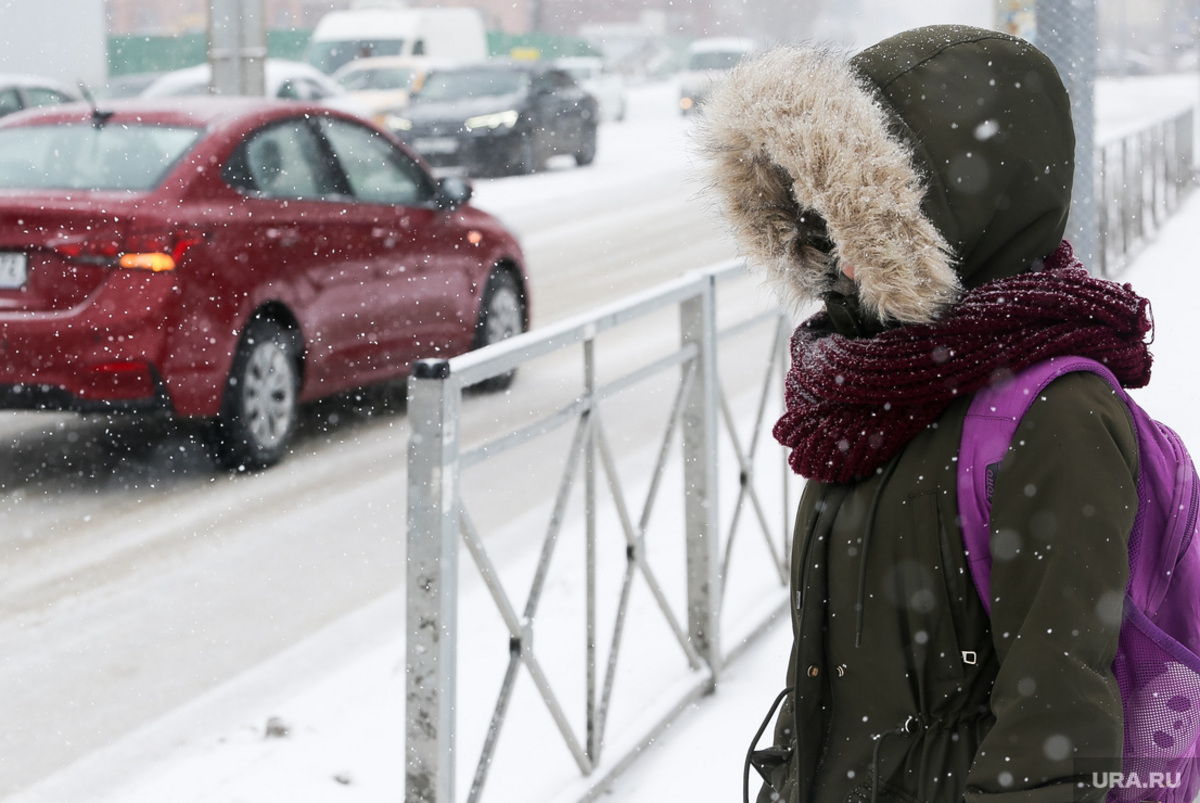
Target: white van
(708,59)
(445,34)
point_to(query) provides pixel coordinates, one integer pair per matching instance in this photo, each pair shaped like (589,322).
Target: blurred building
(1133,37)
(760,19)
(678,17)
(1147,30)
(167,17)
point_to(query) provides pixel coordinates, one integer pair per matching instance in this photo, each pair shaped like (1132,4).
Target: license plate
(13,270)
(436,145)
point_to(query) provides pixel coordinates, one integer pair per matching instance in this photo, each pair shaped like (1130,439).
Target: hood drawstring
(887,472)
(912,726)
(907,727)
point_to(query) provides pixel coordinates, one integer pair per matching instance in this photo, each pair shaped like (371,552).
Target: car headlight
(498,120)
(397,123)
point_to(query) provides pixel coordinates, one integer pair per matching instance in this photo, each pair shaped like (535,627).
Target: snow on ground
(324,720)
(1126,105)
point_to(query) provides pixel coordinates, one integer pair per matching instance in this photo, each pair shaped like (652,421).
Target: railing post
(431,665)
(591,534)
(1189,138)
(1184,147)
(1128,212)
(1103,208)
(698,325)
(1157,170)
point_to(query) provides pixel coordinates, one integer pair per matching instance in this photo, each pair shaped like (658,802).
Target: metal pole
(1066,32)
(698,325)
(591,534)
(431,664)
(237,47)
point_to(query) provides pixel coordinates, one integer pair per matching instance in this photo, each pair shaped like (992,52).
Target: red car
(230,258)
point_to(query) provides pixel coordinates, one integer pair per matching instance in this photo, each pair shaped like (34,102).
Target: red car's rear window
(85,156)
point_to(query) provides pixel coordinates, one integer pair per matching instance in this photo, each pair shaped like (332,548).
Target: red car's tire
(258,414)
(501,315)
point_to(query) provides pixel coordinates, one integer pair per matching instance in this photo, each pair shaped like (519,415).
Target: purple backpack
(1158,656)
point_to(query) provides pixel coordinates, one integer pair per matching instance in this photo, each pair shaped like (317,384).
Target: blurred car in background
(287,80)
(124,86)
(18,92)
(499,118)
(230,258)
(707,60)
(374,29)
(607,86)
(383,84)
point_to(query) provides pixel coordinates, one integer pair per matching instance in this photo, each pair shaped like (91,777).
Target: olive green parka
(934,161)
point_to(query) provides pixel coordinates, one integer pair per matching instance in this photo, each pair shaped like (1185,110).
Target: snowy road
(134,576)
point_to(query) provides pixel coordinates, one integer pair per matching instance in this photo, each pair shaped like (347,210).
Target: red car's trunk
(52,255)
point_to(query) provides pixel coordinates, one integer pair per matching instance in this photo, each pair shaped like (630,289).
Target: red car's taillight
(153,251)
(160,250)
(93,248)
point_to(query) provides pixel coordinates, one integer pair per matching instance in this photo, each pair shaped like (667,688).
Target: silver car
(19,92)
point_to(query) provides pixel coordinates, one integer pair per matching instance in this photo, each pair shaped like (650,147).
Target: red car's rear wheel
(258,414)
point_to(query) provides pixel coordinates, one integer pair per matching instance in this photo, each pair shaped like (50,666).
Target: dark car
(229,258)
(499,118)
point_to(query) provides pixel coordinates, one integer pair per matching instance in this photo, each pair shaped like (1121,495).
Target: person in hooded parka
(919,192)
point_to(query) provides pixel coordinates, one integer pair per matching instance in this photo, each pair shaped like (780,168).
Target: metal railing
(1142,179)
(440,518)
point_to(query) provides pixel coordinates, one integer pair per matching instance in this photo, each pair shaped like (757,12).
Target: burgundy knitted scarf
(853,403)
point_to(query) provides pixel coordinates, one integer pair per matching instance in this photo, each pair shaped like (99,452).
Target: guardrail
(722,483)
(1142,178)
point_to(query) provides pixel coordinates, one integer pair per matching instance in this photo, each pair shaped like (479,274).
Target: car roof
(509,65)
(206,111)
(276,73)
(734,44)
(375,62)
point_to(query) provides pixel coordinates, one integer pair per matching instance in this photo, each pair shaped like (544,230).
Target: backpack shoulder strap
(988,431)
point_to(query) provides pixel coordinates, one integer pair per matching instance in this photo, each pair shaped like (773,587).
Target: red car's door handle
(283,235)
(386,237)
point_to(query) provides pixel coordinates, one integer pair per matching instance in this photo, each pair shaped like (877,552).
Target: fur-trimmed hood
(937,159)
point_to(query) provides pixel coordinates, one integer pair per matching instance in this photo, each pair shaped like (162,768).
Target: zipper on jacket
(828,505)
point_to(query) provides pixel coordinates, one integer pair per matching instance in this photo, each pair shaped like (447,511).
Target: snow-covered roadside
(325,719)
(1126,105)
